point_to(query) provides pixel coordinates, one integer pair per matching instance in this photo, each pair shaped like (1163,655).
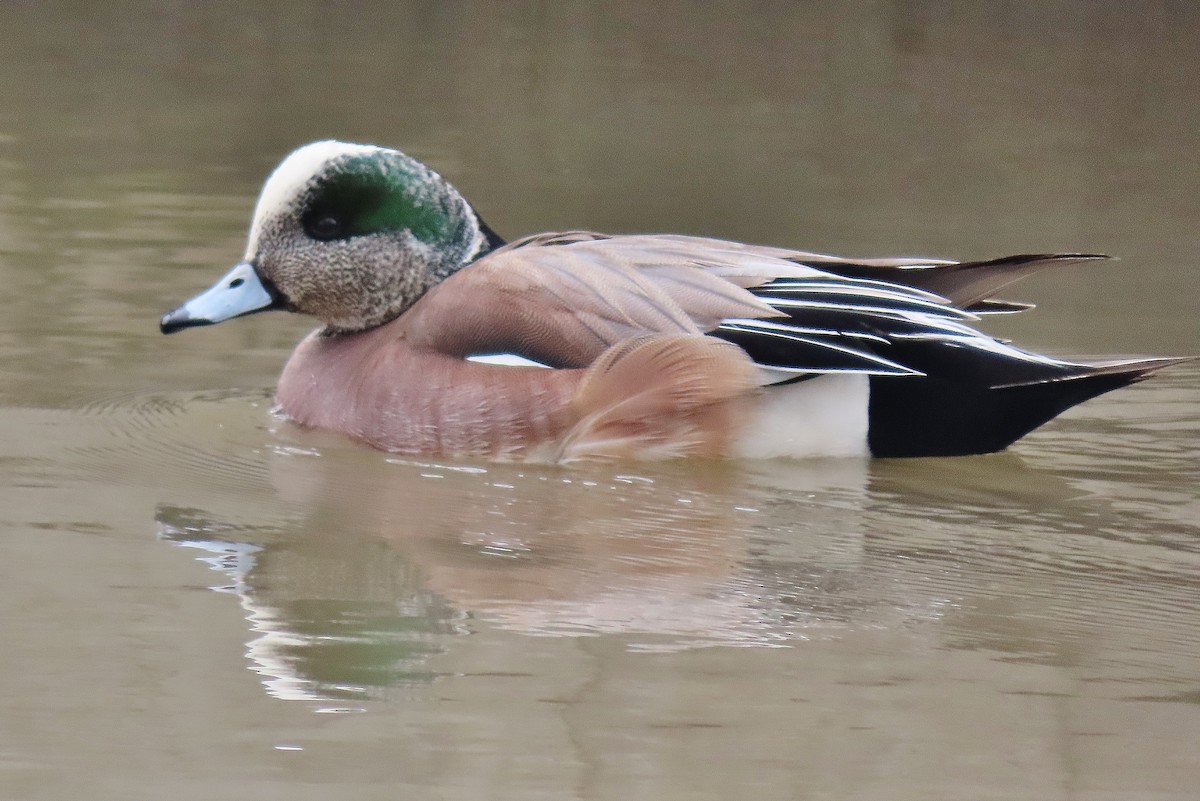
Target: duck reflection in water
(378,568)
(387,564)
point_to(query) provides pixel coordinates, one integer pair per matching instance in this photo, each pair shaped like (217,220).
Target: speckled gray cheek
(370,280)
(275,248)
(348,284)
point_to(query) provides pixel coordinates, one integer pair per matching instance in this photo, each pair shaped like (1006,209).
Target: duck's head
(350,234)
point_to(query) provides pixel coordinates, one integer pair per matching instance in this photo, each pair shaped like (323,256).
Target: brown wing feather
(970,282)
(964,284)
(563,300)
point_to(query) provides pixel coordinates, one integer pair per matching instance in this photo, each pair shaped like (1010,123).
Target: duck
(438,337)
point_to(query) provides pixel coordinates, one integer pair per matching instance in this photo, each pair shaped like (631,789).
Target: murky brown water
(200,601)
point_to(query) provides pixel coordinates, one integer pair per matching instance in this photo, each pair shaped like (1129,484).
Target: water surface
(201,600)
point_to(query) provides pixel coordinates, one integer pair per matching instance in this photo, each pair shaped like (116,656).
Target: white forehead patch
(290,177)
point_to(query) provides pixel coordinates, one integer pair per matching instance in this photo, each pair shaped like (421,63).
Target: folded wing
(562,299)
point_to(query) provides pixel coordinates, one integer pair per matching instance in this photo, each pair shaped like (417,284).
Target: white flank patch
(290,177)
(505,360)
(825,416)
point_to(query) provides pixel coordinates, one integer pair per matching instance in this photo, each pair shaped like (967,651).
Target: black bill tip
(179,319)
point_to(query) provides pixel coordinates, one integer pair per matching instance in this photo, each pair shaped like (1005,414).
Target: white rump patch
(825,416)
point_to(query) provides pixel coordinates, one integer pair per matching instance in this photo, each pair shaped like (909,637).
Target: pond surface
(201,601)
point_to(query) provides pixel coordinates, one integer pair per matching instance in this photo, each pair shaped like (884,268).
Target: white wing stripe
(505,360)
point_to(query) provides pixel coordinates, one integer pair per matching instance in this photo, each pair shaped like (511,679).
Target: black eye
(325,227)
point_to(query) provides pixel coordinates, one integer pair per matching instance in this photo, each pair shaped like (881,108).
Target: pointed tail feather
(1131,370)
(994,306)
(940,417)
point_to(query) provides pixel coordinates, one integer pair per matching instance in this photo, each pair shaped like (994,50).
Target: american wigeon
(437,337)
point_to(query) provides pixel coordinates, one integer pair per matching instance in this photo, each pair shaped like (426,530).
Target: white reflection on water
(288,650)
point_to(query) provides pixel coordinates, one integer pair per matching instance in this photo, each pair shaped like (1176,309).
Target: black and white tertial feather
(937,385)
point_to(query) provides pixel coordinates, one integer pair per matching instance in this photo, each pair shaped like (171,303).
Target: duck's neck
(491,240)
(378,388)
